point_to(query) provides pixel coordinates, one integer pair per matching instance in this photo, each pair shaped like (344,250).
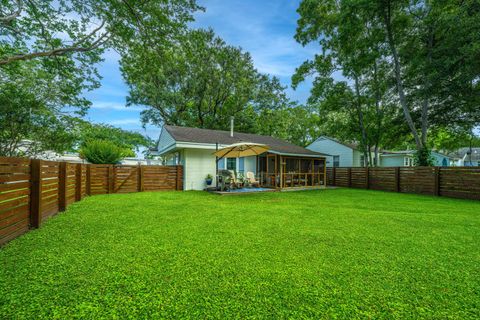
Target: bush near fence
(454,182)
(33,190)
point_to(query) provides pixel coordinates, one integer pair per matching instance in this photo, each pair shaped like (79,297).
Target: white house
(280,167)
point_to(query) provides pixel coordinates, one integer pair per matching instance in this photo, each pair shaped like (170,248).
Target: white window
(408,162)
(362,161)
(336,161)
(232,164)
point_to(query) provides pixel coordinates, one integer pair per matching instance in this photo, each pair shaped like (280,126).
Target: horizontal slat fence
(14,197)
(33,190)
(454,182)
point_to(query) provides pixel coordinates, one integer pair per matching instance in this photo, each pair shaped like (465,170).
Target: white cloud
(104,105)
(126,121)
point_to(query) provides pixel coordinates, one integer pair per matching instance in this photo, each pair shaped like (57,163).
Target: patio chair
(233,178)
(251,179)
(225,180)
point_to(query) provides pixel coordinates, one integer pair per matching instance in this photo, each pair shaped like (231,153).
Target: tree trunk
(398,76)
(378,114)
(425,104)
(360,120)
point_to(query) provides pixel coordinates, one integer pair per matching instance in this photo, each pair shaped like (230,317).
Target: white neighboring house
(144,162)
(193,148)
(342,154)
(467,157)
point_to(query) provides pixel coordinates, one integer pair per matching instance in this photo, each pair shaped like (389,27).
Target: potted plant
(209,179)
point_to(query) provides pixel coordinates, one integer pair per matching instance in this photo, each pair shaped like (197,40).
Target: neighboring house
(467,157)
(349,155)
(143,162)
(342,154)
(193,148)
(406,158)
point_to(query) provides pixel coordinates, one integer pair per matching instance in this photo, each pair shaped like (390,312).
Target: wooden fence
(32,190)
(454,182)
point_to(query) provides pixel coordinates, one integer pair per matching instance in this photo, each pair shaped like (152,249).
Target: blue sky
(265,28)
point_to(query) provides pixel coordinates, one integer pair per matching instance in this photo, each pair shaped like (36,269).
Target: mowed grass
(315,254)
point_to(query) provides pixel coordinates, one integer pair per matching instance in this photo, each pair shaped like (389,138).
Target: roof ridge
(228,132)
(212,136)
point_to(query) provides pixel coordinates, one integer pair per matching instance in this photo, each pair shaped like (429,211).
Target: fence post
(35,193)
(139,178)
(142,178)
(88,183)
(349,177)
(397,179)
(179,176)
(62,186)
(78,182)
(334,176)
(436,190)
(111,179)
(367,177)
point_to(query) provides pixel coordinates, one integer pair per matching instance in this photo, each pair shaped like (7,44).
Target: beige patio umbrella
(241,149)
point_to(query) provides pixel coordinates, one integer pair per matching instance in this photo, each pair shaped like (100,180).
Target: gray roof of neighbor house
(197,135)
(475,152)
(398,152)
(409,152)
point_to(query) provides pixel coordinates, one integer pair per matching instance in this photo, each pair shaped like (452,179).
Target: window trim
(231,160)
(336,164)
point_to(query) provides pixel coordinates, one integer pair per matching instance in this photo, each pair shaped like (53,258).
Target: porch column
(281,172)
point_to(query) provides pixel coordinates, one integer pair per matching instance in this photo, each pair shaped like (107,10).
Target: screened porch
(281,171)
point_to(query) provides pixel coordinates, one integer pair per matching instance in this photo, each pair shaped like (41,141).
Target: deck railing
(292,179)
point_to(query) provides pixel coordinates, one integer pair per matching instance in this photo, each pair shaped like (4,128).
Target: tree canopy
(417,59)
(54,47)
(201,82)
(390,74)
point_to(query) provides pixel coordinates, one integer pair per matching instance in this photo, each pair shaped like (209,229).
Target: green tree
(48,55)
(81,29)
(433,46)
(32,121)
(201,82)
(103,152)
(129,140)
(429,46)
(350,51)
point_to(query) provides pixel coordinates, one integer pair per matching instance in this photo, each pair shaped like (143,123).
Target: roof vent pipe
(231,126)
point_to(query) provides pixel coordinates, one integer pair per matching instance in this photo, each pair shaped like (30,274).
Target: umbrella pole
(216,167)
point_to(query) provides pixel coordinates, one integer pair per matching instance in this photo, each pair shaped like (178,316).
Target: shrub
(423,157)
(102,152)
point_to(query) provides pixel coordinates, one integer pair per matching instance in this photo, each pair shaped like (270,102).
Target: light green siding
(328,146)
(440,160)
(393,161)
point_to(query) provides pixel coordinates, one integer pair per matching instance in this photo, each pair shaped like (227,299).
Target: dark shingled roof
(196,135)
(460,153)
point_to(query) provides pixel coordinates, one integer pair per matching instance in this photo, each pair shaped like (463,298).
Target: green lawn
(320,254)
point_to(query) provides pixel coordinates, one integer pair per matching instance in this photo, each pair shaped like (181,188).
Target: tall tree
(434,48)
(201,81)
(350,51)
(430,46)
(54,46)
